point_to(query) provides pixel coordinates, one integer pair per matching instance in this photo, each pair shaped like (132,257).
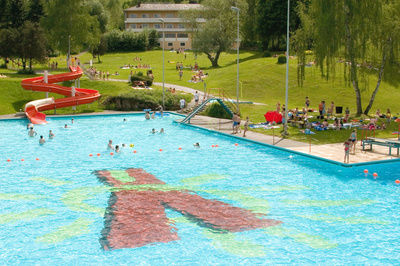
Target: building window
(170,26)
(170,44)
(160,35)
(182,44)
(181,26)
(132,16)
(182,35)
(133,26)
(157,26)
(169,15)
(144,16)
(170,35)
(157,15)
(145,26)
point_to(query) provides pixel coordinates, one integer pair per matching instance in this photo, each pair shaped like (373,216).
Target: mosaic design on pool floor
(151,197)
(136,215)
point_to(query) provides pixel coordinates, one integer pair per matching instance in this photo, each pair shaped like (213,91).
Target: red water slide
(82,96)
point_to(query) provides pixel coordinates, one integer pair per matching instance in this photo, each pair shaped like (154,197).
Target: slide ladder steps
(202,106)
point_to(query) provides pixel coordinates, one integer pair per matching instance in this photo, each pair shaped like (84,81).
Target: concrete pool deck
(334,152)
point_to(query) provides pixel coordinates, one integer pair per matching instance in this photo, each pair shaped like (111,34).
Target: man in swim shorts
(32,132)
(41,140)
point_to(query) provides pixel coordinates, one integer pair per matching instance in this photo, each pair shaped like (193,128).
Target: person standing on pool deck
(245,127)
(32,132)
(347,144)
(41,140)
(51,134)
(196,98)
(182,103)
(353,138)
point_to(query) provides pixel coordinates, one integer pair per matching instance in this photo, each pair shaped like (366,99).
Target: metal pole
(237,10)
(287,72)
(163,64)
(69,50)
(238,45)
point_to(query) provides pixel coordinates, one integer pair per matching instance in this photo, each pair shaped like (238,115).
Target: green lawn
(262,80)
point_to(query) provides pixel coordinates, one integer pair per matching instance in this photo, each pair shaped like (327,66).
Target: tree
(70,18)
(16,13)
(32,45)
(271,20)
(363,34)
(36,11)
(99,49)
(214,27)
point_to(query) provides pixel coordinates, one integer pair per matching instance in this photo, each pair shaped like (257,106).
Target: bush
(216,110)
(127,41)
(26,71)
(139,77)
(137,100)
(267,54)
(282,59)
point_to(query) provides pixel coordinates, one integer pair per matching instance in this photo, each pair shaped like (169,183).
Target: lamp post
(285,127)
(163,64)
(237,10)
(69,50)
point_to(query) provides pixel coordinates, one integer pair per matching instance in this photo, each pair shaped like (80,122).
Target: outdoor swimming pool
(52,210)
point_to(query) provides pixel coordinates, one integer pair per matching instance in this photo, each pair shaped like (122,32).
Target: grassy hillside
(262,80)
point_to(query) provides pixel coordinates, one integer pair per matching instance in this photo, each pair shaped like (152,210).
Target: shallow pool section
(163,201)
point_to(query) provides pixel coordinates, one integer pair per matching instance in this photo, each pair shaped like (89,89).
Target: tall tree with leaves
(364,33)
(271,20)
(70,18)
(36,11)
(214,27)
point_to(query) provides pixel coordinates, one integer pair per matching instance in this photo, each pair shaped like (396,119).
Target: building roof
(163,7)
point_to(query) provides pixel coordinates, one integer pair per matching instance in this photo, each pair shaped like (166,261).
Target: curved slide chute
(82,96)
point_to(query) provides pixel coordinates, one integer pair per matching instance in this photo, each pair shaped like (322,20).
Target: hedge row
(137,100)
(127,41)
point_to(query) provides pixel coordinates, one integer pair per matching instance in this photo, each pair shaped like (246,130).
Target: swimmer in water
(51,134)
(124,119)
(147,115)
(110,146)
(123,145)
(29,126)
(196,145)
(32,132)
(161,131)
(42,140)
(153,115)
(153,131)
(65,126)
(117,149)
(72,121)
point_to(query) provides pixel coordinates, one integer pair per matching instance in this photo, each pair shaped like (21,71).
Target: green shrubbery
(282,59)
(216,110)
(126,41)
(267,53)
(137,100)
(140,77)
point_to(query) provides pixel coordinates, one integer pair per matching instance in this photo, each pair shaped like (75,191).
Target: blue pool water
(51,209)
